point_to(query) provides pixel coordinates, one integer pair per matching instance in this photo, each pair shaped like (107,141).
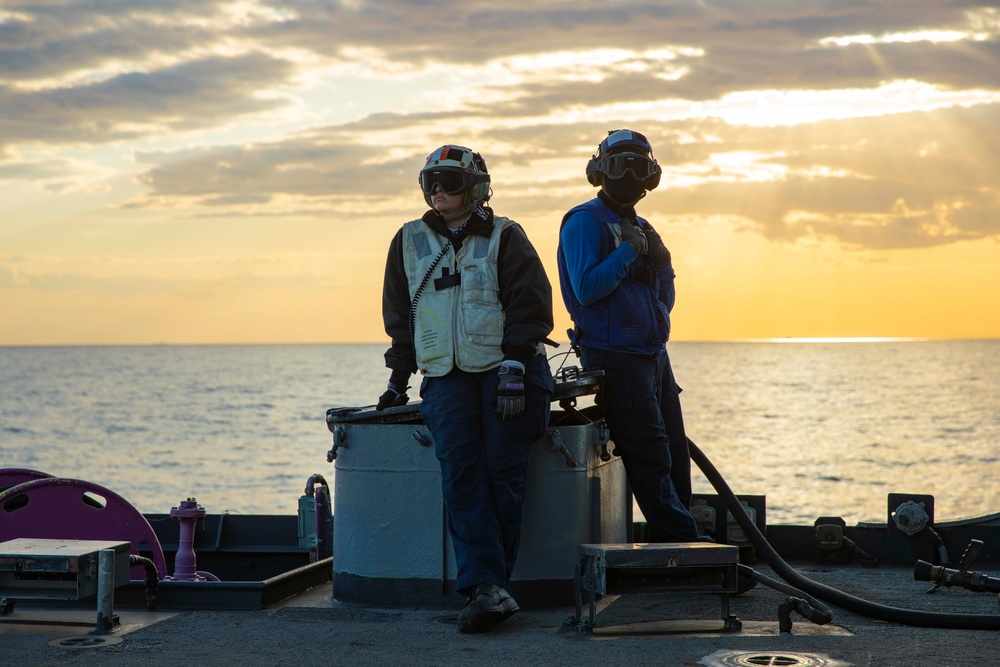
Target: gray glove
(657,251)
(510,390)
(632,234)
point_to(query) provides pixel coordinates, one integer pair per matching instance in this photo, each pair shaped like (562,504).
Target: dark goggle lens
(616,166)
(452,182)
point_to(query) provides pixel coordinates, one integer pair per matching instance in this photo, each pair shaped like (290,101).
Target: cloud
(55,39)
(7,277)
(747,45)
(535,86)
(317,164)
(16,169)
(910,180)
(188,96)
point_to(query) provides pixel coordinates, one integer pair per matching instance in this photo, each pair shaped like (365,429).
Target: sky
(211,171)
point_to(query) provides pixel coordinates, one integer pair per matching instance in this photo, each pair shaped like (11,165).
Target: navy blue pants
(484,462)
(632,395)
(673,419)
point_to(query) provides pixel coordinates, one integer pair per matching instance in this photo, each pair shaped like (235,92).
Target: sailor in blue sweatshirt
(618,285)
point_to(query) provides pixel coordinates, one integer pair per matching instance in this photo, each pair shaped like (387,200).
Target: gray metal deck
(644,629)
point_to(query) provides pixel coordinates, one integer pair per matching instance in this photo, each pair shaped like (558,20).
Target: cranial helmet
(622,152)
(456,169)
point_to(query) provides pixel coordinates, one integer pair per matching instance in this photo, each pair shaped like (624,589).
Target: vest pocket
(431,336)
(483,324)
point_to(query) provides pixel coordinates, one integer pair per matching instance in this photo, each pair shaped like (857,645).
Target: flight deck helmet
(456,169)
(624,152)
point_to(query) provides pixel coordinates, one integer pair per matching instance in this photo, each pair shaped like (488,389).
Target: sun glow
(792,107)
(836,339)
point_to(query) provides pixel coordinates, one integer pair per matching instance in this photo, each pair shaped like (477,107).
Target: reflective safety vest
(455,314)
(629,319)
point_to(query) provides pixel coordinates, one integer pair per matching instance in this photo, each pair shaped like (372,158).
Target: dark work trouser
(673,419)
(631,395)
(484,461)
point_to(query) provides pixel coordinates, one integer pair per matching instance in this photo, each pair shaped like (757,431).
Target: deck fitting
(729,658)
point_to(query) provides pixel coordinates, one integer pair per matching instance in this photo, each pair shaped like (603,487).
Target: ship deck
(674,628)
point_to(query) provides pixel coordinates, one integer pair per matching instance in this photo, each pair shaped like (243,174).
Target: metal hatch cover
(403,414)
(730,658)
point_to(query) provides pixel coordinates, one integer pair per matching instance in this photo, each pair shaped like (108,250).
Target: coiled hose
(927,619)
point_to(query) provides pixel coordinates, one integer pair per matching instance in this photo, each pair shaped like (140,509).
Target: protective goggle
(451,181)
(617,165)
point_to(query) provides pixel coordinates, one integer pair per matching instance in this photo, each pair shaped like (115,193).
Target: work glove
(633,235)
(510,390)
(394,396)
(656,251)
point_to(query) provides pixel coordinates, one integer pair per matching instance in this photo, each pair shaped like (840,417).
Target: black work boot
(488,605)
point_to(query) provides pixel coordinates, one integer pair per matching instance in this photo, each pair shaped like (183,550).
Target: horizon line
(784,339)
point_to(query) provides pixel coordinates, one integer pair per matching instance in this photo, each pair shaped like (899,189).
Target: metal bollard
(106,591)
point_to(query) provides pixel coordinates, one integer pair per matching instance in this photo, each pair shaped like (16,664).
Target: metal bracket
(601,439)
(339,440)
(559,445)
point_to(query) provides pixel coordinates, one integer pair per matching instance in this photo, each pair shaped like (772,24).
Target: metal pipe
(312,481)
(105,590)
(152,578)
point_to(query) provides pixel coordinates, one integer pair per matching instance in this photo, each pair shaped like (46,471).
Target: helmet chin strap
(470,205)
(459,215)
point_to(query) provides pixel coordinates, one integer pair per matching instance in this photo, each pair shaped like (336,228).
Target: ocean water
(819,428)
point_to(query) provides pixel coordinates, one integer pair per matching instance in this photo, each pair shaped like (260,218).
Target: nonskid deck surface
(640,629)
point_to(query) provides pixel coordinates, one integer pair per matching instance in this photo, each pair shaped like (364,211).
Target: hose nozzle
(946,576)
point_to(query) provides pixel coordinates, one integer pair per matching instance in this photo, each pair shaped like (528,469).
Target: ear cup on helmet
(593,172)
(481,190)
(654,179)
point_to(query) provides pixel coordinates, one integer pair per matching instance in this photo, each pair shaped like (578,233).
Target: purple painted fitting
(187,513)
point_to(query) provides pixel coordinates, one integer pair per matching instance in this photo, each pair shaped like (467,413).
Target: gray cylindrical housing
(391,544)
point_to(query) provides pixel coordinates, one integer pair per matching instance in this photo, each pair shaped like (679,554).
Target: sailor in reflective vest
(467,304)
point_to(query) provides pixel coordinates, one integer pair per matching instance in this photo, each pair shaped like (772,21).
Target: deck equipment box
(391,544)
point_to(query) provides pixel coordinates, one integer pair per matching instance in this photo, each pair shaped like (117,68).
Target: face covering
(625,190)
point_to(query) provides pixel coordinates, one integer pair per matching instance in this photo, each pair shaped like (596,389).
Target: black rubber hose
(313,481)
(152,578)
(810,608)
(927,619)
